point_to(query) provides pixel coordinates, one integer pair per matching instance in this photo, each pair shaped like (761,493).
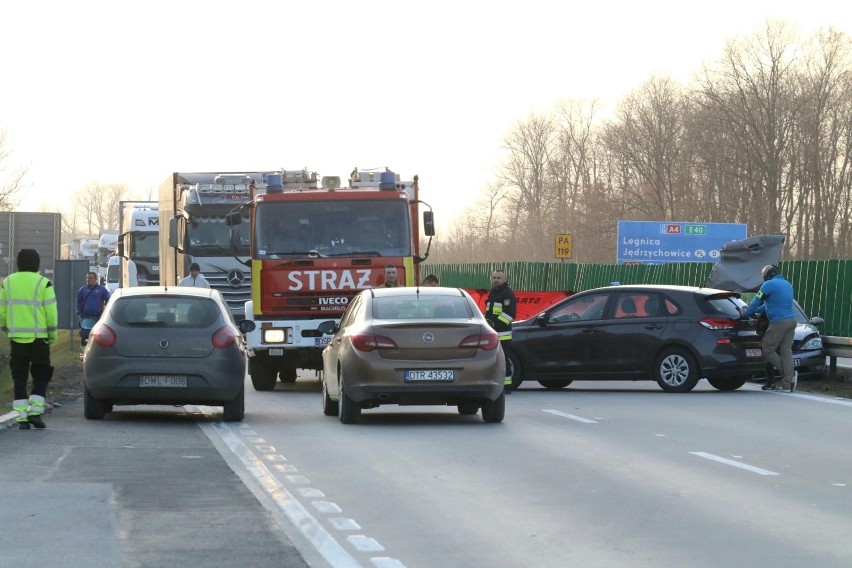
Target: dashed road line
(259,464)
(734,463)
(571,416)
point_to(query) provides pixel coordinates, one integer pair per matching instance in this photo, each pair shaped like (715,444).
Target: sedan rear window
(422,307)
(165,311)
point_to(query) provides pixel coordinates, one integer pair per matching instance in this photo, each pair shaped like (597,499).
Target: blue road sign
(659,242)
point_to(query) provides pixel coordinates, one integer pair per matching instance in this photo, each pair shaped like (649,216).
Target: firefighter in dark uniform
(28,317)
(500,309)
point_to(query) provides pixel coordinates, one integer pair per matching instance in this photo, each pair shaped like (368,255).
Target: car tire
(468,408)
(516,370)
(288,374)
(329,407)
(234,410)
(348,410)
(727,383)
(555,384)
(493,411)
(262,377)
(93,409)
(676,370)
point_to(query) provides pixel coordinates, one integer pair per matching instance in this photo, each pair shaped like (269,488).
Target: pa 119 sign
(564,245)
(659,242)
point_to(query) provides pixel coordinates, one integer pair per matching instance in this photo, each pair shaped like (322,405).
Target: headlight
(274,336)
(812,344)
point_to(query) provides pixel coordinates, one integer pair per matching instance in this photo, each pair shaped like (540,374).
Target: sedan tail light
(488,340)
(371,342)
(718,323)
(103,335)
(224,337)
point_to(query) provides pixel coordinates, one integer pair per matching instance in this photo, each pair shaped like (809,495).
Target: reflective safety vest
(28,308)
(500,309)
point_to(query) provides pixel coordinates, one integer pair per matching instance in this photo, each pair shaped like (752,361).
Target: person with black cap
(775,299)
(195,278)
(28,317)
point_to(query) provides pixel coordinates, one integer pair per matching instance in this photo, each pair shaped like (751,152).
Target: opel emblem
(428,337)
(235,277)
(164,344)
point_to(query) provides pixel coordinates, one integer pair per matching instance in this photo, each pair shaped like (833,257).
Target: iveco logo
(235,277)
(428,337)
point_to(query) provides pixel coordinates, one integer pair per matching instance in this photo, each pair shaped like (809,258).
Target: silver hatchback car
(170,346)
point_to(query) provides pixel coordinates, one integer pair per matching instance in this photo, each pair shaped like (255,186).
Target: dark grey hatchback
(674,335)
(172,346)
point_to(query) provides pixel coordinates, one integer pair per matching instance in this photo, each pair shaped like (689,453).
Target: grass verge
(65,357)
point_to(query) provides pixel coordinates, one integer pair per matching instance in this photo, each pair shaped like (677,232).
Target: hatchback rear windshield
(422,307)
(181,312)
(727,305)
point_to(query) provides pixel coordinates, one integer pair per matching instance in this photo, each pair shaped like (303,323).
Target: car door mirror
(328,327)
(246,326)
(542,319)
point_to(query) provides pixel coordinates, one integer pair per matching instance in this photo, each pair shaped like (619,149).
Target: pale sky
(128,92)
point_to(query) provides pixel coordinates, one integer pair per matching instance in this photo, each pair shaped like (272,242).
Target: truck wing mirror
(234,218)
(428,224)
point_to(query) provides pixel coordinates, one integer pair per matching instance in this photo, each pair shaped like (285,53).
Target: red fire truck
(314,245)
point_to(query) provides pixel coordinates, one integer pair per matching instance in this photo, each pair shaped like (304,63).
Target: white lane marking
(385,562)
(726,461)
(825,399)
(571,416)
(312,530)
(364,543)
(343,524)
(326,507)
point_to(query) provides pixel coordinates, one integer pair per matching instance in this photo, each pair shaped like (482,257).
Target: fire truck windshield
(210,236)
(332,228)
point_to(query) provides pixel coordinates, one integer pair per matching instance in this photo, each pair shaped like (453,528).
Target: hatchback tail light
(224,337)
(718,323)
(487,341)
(102,335)
(371,342)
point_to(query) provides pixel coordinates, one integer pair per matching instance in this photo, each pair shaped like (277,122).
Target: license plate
(276,352)
(162,381)
(796,362)
(322,341)
(434,375)
(753,353)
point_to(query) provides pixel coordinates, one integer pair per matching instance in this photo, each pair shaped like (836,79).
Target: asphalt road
(598,474)
(144,488)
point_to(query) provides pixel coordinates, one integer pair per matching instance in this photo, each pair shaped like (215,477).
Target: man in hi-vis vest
(28,317)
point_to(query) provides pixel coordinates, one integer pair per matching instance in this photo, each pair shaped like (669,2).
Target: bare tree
(649,133)
(12,179)
(753,92)
(526,173)
(97,206)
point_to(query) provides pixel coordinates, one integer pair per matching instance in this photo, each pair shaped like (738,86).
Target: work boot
(24,426)
(37,421)
(771,387)
(795,381)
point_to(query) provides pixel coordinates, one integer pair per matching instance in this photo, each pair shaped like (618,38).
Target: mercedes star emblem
(235,277)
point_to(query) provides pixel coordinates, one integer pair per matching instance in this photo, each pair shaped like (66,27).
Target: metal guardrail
(836,347)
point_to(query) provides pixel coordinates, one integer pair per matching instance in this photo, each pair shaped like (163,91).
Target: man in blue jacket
(91,300)
(775,299)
